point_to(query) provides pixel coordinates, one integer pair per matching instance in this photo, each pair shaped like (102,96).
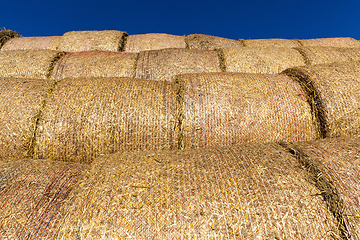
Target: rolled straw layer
(165,64)
(207,42)
(36,64)
(95,64)
(32,43)
(79,41)
(153,41)
(227,108)
(6,35)
(276,42)
(85,117)
(261,59)
(346,42)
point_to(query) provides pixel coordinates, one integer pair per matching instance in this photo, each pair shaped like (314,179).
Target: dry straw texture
(153,41)
(78,41)
(31,43)
(20,102)
(6,35)
(207,42)
(335,99)
(95,64)
(331,42)
(28,63)
(35,197)
(261,59)
(276,42)
(165,64)
(248,192)
(227,108)
(86,117)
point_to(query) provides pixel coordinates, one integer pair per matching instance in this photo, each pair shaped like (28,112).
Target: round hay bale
(275,42)
(20,105)
(208,42)
(32,43)
(6,35)
(334,93)
(79,41)
(165,64)
(247,192)
(36,64)
(35,197)
(95,64)
(261,59)
(85,117)
(346,42)
(228,108)
(153,41)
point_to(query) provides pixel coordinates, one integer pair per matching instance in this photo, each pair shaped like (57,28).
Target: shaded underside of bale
(165,64)
(347,42)
(85,117)
(153,41)
(334,94)
(36,64)
(247,192)
(95,64)
(6,35)
(20,103)
(79,41)
(35,196)
(32,43)
(261,59)
(275,42)
(228,108)
(208,42)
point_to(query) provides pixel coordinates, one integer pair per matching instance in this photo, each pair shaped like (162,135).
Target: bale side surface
(85,117)
(228,108)
(347,42)
(276,42)
(261,59)
(79,41)
(95,64)
(32,43)
(208,42)
(165,64)
(153,41)
(6,35)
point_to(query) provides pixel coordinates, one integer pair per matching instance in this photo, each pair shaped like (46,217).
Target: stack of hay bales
(31,43)
(207,42)
(6,35)
(153,41)
(345,42)
(275,42)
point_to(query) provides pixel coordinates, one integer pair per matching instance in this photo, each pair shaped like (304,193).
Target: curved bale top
(248,192)
(6,35)
(85,117)
(274,42)
(346,42)
(165,64)
(334,96)
(261,59)
(153,41)
(32,43)
(35,197)
(95,64)
(79,41)
(227,108)
(20,103)
(28,63)
(208,42)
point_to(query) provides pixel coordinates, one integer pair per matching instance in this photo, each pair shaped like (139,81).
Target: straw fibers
(334,92)
(32,43)
(85,117)
(248,192)
(331,42)
(28,63)
(228,108)
(35,197)
(79,41)
(6,35)
(276,42)
(261,59)
(153,41)
(95,64)
(207,42)
(165,64)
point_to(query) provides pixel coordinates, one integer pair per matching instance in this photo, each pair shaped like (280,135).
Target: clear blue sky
(248,19)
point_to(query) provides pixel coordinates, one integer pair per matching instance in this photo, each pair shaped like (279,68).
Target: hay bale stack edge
(153,41)
(6,35)
(32,43)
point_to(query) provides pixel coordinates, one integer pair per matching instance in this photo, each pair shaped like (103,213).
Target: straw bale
(28,63)
(32,43)
(153,41)
(248,192)
(227,108)
(165,64)
(335,99)
(85,117)
(6,35)
(275,42)
(79,41)
(261,59)
(35,196)
(20,103)
(346,42)
(95,64)
(208,42)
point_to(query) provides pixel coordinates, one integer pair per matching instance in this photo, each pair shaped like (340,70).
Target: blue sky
(250,19)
